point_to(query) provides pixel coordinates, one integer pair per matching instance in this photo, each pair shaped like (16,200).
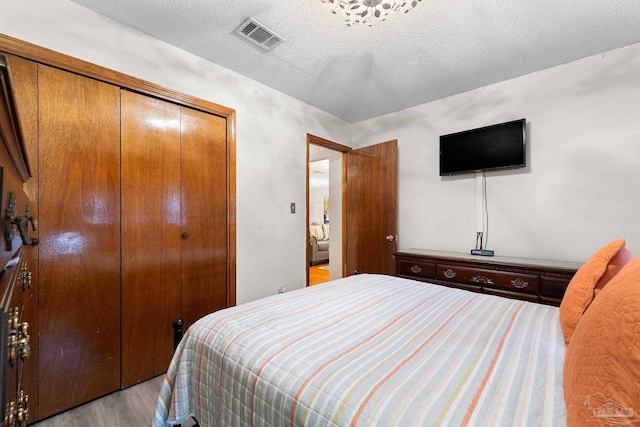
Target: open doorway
(324,210)
(320,223)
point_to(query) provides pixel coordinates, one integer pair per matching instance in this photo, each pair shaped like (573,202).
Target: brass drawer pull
(17,413)
(519,283)
(480,278)
(26,278)
(24,348)
(18,340)
(10,414)
(449,274)
(416,269)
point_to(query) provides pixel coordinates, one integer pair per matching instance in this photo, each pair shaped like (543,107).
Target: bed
(375,350)
(370,350)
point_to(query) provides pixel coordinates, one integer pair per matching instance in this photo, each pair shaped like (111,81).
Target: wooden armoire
(136,208)
(16,249)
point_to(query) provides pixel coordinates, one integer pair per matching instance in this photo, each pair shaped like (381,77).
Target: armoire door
(151,234)
(79,205)
(204,214)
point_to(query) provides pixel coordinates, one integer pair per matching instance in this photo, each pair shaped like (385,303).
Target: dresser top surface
(502,260)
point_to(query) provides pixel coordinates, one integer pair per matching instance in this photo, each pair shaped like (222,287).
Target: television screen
(501,146)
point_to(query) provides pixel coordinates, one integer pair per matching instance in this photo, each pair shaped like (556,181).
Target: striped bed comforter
(370,350)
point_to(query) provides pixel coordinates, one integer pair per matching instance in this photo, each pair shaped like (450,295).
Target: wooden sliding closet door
(174,227)
(204,214)
(79,166)
(151,288)
(135,202)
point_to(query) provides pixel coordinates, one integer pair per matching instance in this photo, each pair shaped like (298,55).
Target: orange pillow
(613,267)
(594,274)
(602,363)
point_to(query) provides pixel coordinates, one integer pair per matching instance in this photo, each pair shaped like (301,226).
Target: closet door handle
(185,235)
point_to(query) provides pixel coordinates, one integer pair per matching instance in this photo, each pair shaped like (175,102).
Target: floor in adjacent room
(133,406)
(318,274)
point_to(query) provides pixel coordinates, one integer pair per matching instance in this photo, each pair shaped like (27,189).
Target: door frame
(325,143)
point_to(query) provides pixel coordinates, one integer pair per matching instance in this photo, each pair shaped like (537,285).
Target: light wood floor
(133,406)
(317,275)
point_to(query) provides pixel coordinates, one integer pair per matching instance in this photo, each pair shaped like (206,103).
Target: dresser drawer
(417,269)
(520,278)
(515,282)
(553,287)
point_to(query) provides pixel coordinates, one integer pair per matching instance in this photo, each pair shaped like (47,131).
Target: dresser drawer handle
(416,269)
(519,283)
(479,278)
(449,274)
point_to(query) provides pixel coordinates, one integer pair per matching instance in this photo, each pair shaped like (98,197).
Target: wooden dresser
(15,277)
(527,279)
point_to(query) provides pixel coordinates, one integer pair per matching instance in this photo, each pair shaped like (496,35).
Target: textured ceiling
(440,48)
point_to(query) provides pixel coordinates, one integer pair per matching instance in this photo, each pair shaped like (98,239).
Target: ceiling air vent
(257,33)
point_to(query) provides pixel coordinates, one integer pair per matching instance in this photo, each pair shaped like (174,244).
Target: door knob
(391,237)
(185,235)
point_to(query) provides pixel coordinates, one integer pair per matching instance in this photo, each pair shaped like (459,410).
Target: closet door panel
(79,181)
(150,234)
(204,214)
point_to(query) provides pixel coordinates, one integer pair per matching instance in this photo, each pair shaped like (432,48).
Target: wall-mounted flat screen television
(501,146)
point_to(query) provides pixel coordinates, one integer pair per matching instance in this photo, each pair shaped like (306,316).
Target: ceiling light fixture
(369,12)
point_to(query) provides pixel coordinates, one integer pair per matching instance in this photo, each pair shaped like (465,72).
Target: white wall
(316,204)
(271,129)
(579,189)
(576,194)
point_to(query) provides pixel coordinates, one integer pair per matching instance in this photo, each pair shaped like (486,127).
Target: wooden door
(204,214)
(151,288)
(371,208)
(79,184)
